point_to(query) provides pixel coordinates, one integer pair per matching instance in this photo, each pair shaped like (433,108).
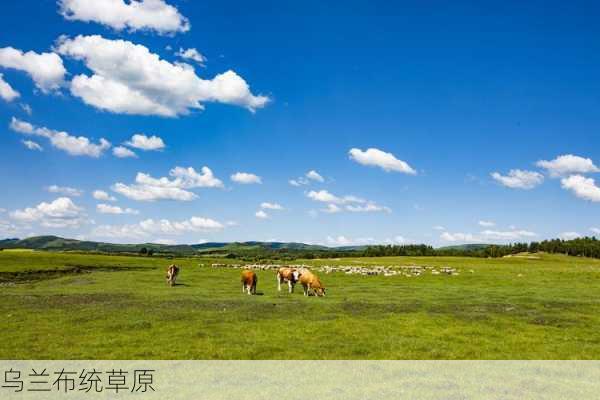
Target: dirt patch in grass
(11,278)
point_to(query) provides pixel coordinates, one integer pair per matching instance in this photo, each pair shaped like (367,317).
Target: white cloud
(315,176)
(298,182)
(487,224)
(67,191)
(102,195)
(31,145)
(568,164)
(331,209)
(245,178)
(507,235)
(346,241)
(368,207)
(261,214)
(119,85)
(439,228)
(110,209)
(271,206)
(191,54)
(376,158)
(350,203)
(457,237)
(46,69)
(148,188)
(7,228)
(582,187)
(134,15)
(325,197)
(595,230)
(26,108)
(487,236)
(143,142)
(60,213)
(73,145)
(7,93)
(569,235)
(519,179)
(123,152)
(150,227)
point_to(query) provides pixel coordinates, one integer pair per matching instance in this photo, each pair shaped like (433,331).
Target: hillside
(56,243)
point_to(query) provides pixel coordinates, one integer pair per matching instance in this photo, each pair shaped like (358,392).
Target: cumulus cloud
(150,227)
(7,93)
(67,191)
(519,179)
(346,241)
(102,195)
(315,176)
(260,214)
(376,158)
(31,145)
(143,142)
(271,206)
(457,237)
(119,85)
(147,188)
(60,213)
(331,209)
(73,145)
(46,69)
(487,236)
(507,235)
(134,15)
(191,54)
(595,230)
(569,235)
(487,224)
(568,164)
(245,178)
(582,187)
(123,152)
(349,203)
(110,209)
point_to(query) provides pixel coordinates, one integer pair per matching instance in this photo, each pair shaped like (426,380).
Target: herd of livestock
(293,274)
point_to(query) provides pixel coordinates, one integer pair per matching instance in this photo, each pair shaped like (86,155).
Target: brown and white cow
(289,275)
(172,273)
(249,281)
(310,282)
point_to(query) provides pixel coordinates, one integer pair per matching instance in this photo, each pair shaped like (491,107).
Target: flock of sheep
(401,270)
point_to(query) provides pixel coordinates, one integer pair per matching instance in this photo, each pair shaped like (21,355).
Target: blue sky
(445,95)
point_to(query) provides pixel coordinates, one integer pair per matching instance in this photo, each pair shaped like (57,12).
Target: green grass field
(77,306)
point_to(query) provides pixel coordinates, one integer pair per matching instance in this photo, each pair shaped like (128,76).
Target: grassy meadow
(83,306)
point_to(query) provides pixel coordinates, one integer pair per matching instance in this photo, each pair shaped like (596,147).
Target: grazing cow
(289,275)
(249,281)
(310,282)
(172,273)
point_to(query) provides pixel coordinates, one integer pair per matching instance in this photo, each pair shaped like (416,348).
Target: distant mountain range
(61,244)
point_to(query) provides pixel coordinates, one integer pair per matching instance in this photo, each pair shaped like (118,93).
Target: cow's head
(320,291)
(295,275)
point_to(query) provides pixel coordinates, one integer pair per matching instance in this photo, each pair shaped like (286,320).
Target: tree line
(584,247)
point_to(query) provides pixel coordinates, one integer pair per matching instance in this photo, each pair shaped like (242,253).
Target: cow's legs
(305,289)
(290,287)
(278,282)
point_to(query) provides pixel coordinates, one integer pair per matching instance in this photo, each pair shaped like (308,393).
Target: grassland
(77,306)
